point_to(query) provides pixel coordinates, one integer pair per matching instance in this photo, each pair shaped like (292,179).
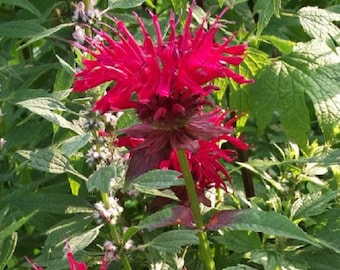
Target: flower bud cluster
(110,250)
(109,214)
(2,142)
(102,152)
(84,14)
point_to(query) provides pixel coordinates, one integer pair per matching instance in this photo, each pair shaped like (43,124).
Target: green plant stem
(205,251)
(114,234)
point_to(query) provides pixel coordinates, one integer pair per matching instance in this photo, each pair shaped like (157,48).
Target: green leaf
(7,248)
(239,267)
(131,231)
(101,179)
(172,241)
(313,204)
(271,223)
(45,107)
(25,4)
(319,259)
(45,33)
(124,4)
(65,229)
(169,216)
(20,29)
(67,67)
(329,233)
(280,88)
(53,203)
(128,119)
(239,241)
(48,160)
(158,179)
(318,24)
(8,231)
(318,69)
(268,258)
(252,64)
(73,144)
(266,9)
(285,46)
(166,193)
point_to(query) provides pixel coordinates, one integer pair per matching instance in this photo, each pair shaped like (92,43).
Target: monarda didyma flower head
(167,83)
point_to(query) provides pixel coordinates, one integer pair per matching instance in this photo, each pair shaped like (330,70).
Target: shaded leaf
(266,9)
(52,203)
(65,229)
(124,3)
(7,248)
(177,215)
(158,179)
(312,204)
(8,231)
(20,29)
(25,4)
(239,241)
(45,33)
(172,241)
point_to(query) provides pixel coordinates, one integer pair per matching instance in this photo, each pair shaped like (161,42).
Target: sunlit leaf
(258,221)
(318,23)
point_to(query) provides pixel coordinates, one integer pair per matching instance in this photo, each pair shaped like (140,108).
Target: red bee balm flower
(167,83)
(178,67)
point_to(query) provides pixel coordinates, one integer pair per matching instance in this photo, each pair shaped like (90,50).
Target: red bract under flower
(180,67)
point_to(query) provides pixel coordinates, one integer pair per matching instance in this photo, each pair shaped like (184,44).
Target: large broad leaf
(312,69)
(279,88)
(271,223)
(318,23)
(266,9)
